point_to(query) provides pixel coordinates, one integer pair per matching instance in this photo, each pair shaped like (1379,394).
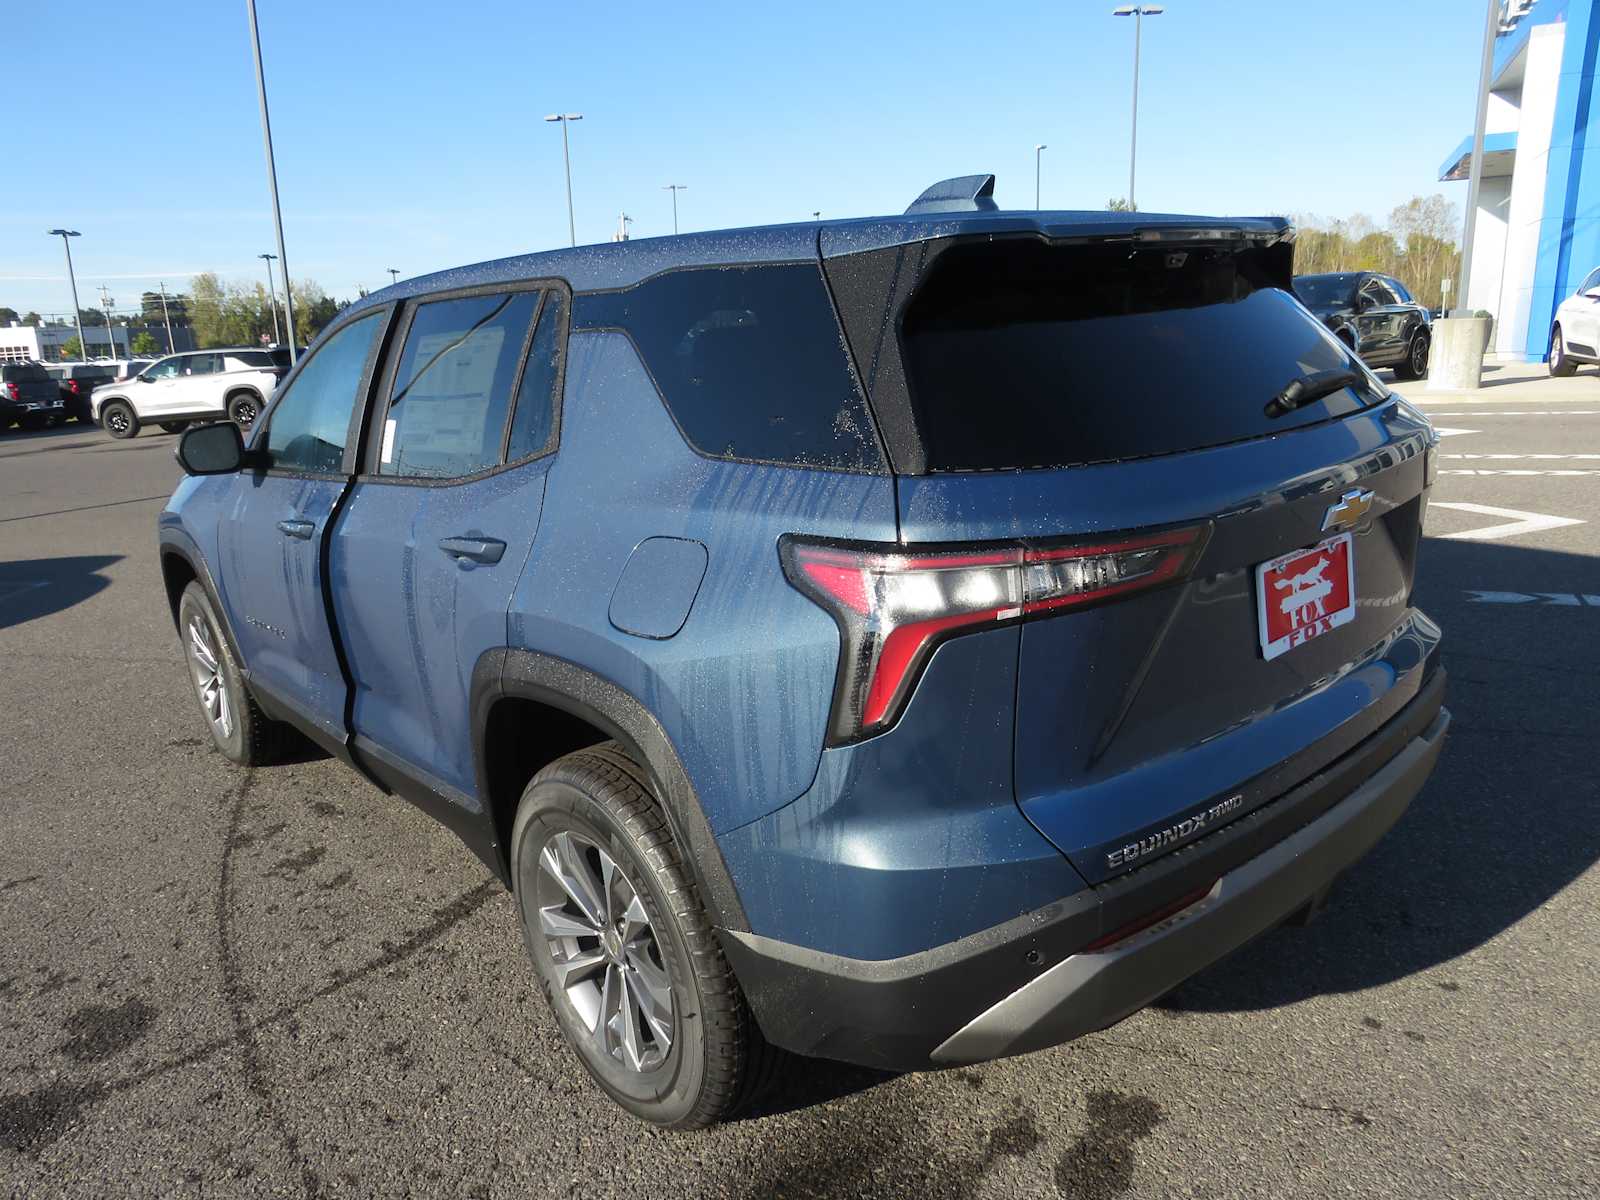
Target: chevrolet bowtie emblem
(1349,512)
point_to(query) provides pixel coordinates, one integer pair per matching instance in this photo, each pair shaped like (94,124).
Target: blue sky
(411,135)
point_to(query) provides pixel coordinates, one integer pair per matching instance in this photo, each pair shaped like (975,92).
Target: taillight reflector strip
(894,605)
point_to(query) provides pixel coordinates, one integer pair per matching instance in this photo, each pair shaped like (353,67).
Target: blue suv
(909,641)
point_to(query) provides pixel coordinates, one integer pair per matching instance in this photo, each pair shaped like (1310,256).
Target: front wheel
(119,419)
(238,727)
(243,410)
(1561,364)
(1415,364)
(624,950)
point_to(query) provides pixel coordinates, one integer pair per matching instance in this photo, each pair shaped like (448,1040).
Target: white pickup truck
(195,386)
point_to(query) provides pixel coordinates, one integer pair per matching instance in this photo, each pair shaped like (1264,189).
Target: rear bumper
(1030,983)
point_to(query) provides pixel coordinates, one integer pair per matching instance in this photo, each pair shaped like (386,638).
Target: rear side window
(452,390)
(750,362)
(245,360)
(1025,355)
(533,425)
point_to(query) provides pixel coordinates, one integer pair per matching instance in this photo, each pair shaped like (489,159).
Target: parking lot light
(565,119)
(77,316)
(1138,12)
(272,177)
(1038,152)
(675,188)
(272,295)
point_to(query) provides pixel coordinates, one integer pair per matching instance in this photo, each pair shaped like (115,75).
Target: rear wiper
(1311,387)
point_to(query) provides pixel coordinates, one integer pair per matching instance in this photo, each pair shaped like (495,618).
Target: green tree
(7,315)
(72,348)
(1119,204)
(33,319)
(143,344)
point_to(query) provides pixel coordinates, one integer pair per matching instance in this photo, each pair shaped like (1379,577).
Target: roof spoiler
(966,193)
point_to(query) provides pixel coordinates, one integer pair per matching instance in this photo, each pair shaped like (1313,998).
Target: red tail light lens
(72,386)
(894,605)
(11,390)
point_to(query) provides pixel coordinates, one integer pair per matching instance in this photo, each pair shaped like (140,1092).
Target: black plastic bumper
(1030,983)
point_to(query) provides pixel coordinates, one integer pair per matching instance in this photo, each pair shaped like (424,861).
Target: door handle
(297,529)
(478,549)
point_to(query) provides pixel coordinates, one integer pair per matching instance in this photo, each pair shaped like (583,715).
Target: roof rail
(966,193)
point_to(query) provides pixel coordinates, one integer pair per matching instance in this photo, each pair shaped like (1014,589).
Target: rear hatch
(29,383)
(1062,393)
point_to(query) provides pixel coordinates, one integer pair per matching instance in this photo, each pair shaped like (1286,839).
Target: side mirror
(215,449)
(1593,293)
(142,378)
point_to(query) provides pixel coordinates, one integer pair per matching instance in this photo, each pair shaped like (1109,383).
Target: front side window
(167,368)
(452,390)
(310,422)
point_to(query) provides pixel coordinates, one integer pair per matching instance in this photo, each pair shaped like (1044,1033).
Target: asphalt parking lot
(225,983)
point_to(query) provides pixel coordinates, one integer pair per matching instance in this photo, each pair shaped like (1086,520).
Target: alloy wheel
(117,421)
(1419,356)
(605,952)
(206,663)
(244,413)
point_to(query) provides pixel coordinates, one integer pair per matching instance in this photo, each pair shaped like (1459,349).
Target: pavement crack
(234,993)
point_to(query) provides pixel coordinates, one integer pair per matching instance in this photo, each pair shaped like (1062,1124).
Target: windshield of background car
(1026,355)
(1325,291)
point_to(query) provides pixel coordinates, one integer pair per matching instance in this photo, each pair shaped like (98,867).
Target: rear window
(750,362)
(251,358)
(24,373)
(1022,355)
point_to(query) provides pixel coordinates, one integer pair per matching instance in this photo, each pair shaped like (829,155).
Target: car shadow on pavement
(36,587)
(1508,818)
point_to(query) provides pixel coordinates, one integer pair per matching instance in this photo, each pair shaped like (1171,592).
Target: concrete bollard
(1455,362)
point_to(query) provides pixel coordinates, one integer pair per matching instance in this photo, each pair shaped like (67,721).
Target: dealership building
(1538,214)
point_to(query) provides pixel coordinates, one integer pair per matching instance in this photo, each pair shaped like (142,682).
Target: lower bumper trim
(1089,991)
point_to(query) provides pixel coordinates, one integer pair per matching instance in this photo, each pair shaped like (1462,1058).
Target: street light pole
(1038,152)
(675,188)
(105,307)
(272,176)
(272,294)
(1138,12)
(165,316)
(77,313)
(394,276)
(564,119)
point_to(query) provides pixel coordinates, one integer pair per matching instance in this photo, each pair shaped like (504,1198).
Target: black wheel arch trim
(559,683)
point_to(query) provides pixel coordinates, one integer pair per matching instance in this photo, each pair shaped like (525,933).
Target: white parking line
(1523,412)
(1444,432)
(1515,471)
(1520,523)
(1539,599)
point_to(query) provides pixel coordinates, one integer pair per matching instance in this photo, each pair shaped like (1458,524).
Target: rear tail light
(11,390)
(72,386)
(894,605)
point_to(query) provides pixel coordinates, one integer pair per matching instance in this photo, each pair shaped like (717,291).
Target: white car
(201,385)
(1575,337)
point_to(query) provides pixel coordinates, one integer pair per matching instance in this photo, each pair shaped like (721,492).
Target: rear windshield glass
(1022,355)
(23,373)
(1326,290)
(750,362)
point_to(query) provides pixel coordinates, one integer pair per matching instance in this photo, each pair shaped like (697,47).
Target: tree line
(1418,246)
(215,311)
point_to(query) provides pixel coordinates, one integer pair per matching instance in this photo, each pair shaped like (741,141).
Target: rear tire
(119,419)
(1415,363)
(239,730)
(647,1001)
(243,409)
(1561,365)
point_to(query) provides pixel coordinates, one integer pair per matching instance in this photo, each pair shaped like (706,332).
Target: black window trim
(366,467)
(352,450)
(881,469)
